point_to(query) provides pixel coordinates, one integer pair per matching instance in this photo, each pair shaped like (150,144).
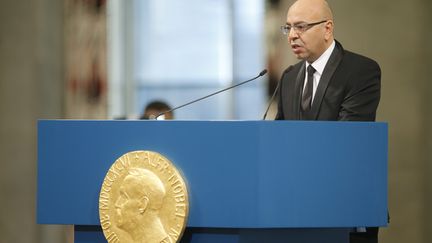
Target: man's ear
(328,29)
(143,204)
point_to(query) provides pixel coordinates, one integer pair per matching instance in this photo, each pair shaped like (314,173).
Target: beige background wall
(395,33)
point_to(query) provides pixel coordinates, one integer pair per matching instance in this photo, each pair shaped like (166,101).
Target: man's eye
(123,195)
(301,27)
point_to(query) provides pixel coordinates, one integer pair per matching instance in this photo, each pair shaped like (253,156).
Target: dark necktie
(306,102)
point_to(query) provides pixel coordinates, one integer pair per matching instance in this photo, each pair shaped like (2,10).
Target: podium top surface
(243,174)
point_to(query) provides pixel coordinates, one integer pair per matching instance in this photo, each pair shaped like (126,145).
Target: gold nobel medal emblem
(143,199)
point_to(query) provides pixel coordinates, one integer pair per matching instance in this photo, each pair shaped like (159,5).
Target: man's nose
(292,34)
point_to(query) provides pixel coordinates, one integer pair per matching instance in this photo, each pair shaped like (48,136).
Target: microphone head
(263,72)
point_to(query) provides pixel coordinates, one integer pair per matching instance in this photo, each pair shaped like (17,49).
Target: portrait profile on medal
(138,205)
(143,198)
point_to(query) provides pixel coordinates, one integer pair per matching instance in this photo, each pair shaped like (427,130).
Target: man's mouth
(296,48)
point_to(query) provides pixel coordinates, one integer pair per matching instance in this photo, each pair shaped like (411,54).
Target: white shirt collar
(321,62)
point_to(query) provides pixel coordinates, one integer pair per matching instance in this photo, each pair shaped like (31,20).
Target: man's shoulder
(352,58)
(293,68)
(358,59)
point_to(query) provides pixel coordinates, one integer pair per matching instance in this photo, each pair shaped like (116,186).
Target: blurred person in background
(154,108)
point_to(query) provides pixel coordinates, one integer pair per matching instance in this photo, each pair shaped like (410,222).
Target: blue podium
(249,181)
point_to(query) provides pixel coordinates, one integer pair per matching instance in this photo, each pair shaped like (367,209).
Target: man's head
(310,24)
(140,192)
(154,108)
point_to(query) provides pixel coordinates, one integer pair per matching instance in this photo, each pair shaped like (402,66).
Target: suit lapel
(298,90)
(329,69)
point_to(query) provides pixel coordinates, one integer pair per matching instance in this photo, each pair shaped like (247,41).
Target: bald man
(329,83)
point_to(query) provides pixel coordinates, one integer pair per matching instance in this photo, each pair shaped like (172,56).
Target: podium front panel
(240,174)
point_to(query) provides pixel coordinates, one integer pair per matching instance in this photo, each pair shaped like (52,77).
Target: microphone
(262,73)
(275,91)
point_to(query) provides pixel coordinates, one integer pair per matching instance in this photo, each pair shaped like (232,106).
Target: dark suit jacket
(349,89)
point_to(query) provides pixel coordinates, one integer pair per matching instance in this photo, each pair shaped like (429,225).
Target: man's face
(310,43)
(128,207)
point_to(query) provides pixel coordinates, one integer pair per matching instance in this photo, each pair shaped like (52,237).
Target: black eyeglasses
(300,27)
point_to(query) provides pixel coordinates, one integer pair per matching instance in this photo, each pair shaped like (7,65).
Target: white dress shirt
(319,66)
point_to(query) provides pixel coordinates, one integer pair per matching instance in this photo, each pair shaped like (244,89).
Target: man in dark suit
(345,86)
(329,83)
